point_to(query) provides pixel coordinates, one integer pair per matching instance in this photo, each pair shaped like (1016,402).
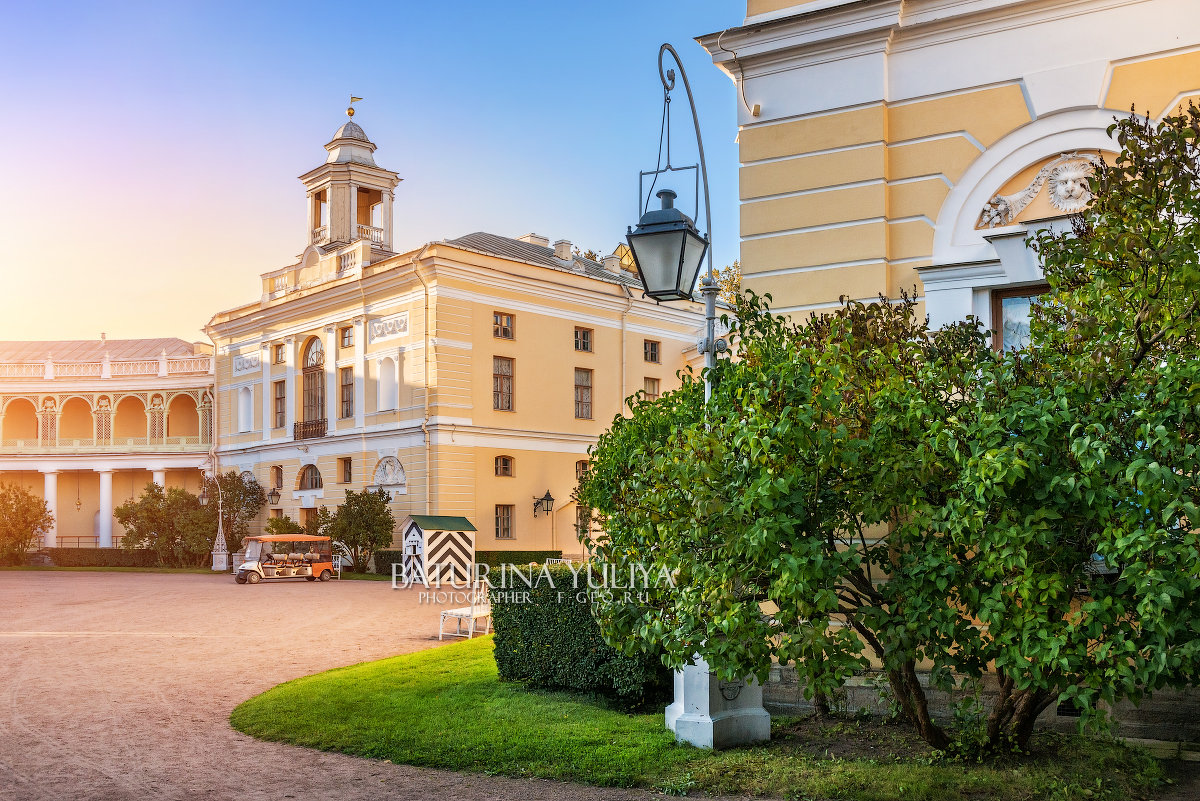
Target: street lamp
(668,252)
(667,249)
(544,503)
(220,552)
(273,496)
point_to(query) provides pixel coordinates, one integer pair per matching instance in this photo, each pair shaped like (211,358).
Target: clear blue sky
(153,147)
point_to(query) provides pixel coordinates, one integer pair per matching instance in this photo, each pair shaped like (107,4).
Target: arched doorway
(75,421)
(20,421)
(183,419)
(129,421)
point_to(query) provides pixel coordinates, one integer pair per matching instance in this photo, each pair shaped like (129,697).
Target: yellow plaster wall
(1152,84)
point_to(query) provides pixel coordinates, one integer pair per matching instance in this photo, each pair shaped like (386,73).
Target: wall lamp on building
(544,504)
(667,248)
(273,496)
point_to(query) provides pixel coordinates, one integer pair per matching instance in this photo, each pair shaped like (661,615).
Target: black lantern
(668,250)
(544,503)
(203,496)
(273,496)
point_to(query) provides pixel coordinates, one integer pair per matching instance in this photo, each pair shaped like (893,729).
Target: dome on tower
(351,130)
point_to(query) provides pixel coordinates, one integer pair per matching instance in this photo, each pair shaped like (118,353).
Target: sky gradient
(154,147)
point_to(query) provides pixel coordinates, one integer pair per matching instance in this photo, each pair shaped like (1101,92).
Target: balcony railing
(320,235)
(162,366)
(192,444)
(309,429)
(375,235)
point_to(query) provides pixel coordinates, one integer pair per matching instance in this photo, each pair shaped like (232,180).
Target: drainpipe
(429,469)
(624,314)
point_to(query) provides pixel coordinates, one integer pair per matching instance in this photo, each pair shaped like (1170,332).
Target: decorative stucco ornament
(1068,191)
(389,472)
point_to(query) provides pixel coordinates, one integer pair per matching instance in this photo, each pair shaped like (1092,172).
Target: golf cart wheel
(310,578)
(240,578)
(253,577)
(326,575)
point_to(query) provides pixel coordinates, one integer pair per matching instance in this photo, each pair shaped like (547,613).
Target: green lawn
(445,708)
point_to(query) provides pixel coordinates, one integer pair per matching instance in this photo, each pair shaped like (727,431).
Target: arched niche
(183,418)
(75,420)
(129,420)
(245,409)
(389,394)
(20,420)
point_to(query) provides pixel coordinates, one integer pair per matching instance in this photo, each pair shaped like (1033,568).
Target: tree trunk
(911,697)
(1011,722)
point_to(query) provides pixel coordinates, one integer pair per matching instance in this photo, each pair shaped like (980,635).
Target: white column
(290,404)
(50,494)
(268,391)
(331,383)
(106,508)
(160,478)
(360,373)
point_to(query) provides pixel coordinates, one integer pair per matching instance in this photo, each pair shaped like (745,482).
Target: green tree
(1049,495)
(24,519)
(171,523)
(363,523)
(241,499)
(283,525)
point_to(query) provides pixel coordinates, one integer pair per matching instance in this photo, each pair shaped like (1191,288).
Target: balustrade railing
(112,445)
(185,365)
(348,261)
(375,235)
(309,429)
(320,235)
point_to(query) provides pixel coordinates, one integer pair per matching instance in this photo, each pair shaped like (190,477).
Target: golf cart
(286,556)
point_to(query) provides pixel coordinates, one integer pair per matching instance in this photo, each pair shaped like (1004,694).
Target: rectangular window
(583,339)
(346,469)
(583,393)
(503,325)
(347,335)
(1010,316)
(502,384)
(276,513)
(651,389)
(280,354)
(504,466)
(504,521)
(347,374)
(280,404)
(650,350)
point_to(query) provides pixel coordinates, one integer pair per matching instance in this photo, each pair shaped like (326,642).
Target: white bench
(480,609)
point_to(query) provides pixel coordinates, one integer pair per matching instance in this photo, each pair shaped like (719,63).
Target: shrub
(24,518)
(103,557)
(546,637)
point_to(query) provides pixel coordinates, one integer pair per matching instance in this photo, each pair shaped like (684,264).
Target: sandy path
(120,685)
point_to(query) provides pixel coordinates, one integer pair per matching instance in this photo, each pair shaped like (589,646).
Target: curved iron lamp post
(669,252)
(220,554)
(667,249)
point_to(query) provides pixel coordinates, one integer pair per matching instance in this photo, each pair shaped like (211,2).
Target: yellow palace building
(466,377)
(892,144)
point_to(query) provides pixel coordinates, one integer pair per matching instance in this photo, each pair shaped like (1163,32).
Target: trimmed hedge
(493,559)
(546,637)
(103,557)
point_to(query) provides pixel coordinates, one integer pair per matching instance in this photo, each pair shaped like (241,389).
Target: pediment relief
(1054,187)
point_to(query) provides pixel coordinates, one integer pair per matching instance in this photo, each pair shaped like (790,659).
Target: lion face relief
(1069,186)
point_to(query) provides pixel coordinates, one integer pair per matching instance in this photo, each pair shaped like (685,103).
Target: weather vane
(350,108)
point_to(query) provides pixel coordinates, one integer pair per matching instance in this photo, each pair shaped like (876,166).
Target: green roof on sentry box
(443,523)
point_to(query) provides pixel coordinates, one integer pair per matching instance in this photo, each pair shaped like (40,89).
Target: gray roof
(351,130)
(93,350)
(514,249)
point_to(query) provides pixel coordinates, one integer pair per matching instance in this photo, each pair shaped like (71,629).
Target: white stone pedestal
(709,713)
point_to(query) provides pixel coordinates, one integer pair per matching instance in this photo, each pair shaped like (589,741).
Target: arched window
(310,478)
(314,380)
(245,409)
(504,466)
(388,385)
